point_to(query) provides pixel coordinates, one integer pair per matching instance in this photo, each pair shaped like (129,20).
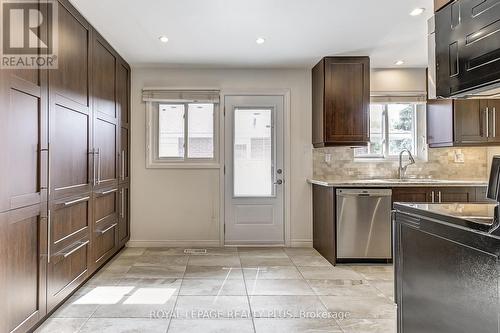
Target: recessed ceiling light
(260,40)
(399,63)
(163,39)
(417,11)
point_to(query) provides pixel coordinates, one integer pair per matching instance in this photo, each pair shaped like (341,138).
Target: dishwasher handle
(364,193)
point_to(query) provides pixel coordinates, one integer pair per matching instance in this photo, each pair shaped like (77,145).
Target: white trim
(302,243)
(286,93)
(173,243)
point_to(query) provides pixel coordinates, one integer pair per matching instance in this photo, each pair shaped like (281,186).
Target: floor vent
(195,251)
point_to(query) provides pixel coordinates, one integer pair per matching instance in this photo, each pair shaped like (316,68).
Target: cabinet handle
(49,237)
(494,118)
(122,210)
(98,166)
(94,178)
(102,232)
(69,203)
(123,164)
(67,254)
(432,196)
(487,120)
(439,196)
(107,192)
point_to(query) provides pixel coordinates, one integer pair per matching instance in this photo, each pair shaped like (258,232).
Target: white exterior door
(254,170)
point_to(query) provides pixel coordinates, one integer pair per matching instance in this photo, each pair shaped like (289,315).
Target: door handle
(278,182)
(122,210)
(49,238)
(123,165)
(98,166)
(72,202)
(102,232)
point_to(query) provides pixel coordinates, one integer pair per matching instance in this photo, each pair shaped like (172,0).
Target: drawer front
(105,243)
(70,221)
(67,270)
(105,207)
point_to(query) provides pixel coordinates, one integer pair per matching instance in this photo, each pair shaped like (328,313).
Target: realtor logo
(29,38)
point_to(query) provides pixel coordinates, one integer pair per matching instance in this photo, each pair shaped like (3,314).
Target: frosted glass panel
(253,153)
(171,130)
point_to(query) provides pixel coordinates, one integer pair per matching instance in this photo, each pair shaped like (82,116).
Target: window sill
(174,165)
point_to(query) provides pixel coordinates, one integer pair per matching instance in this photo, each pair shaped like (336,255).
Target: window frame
(386,135)
(153,160)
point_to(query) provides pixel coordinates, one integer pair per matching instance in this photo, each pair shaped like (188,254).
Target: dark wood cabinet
(341,97)
(440,194)
(463,122)
(65,137)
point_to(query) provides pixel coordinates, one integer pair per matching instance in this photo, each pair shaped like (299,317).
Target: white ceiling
(222,33)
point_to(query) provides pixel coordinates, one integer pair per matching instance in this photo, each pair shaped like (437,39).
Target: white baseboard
(173,243)
(301,243)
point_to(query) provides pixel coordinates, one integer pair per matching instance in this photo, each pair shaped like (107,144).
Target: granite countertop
(410,182)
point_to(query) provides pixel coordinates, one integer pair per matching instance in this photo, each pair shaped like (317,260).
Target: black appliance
(467,36)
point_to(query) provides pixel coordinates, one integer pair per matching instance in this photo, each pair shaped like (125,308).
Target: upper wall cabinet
(463,122)
(341,97)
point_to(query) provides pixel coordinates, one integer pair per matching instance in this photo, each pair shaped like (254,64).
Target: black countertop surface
(475,216)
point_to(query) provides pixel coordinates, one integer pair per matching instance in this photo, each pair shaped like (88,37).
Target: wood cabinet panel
(124,217)
(455,194)
(67,270)
(104,62)
(69,220)
(23,266)
(124,155)
(341,97)
(106,145)
(105,205)
(105,242)
(470,122)
(123,92)
(324,227)
(411,194)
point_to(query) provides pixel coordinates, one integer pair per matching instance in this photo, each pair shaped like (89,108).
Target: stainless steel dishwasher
(364,224)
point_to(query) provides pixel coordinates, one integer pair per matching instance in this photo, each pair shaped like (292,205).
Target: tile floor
(229,290)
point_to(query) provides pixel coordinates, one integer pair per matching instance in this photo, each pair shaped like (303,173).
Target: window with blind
(182,128)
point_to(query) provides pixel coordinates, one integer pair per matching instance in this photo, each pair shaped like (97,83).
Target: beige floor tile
(173,283)
(211,326)
(361,307)
(375,272)
(301,251)
(278,287)
(214,260)
(220,251)
(161,260)
(329,273)
(125,325)
(166,251)
(385,286)
(354,288)
(155,272)
(212,307)
(308,260)
(206,287)
(132,251)
(61,325)
(272,272)
(141,303)
(296,325)
(283,307)
(73,309)
(213,272)
(275,252)
(368,326)
(252,261)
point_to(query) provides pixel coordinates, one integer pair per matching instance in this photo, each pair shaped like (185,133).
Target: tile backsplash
(440,165)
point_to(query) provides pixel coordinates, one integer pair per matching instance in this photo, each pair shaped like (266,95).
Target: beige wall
(181,207)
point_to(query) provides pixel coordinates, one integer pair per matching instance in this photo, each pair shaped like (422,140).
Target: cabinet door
(105,217)
(346,100)
(106,133)
(23,138)
(470,122)
(123,106)
(124,220)
(454,194)
(70,112)
(411,194)
(23,263)
(493,108)
(440,123)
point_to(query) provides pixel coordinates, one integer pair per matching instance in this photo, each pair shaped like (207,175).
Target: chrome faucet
(402,169)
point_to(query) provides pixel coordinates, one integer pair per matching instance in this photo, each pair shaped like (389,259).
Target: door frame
(285,93)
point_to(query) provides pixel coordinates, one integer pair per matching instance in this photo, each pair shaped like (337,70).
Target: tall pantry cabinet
(64,173)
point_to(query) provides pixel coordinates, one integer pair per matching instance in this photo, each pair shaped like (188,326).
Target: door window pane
(171,130)
(200,131)
(253,153)
(401,127)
